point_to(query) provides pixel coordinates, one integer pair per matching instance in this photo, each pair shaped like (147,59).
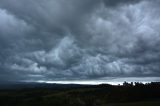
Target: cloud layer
(79,39)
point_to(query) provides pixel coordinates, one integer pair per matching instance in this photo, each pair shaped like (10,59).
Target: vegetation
(128,94)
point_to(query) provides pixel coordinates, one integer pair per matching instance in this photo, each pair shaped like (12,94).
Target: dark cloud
(88,39)
(113,3)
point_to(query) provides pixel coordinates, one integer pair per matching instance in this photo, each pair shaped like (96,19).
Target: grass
(102,95)
(144,103)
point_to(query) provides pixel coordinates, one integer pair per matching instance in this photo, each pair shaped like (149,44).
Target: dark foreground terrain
(80,95)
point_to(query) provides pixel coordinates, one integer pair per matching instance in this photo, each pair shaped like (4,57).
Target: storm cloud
(79,39)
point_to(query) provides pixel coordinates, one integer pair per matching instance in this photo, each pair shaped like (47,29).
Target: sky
(74,40)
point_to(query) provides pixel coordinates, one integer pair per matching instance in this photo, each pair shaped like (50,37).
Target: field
(79,95)
(144,103)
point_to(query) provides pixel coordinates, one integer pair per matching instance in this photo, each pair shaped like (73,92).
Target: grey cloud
(51,20)
(113,3)
(88,39)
